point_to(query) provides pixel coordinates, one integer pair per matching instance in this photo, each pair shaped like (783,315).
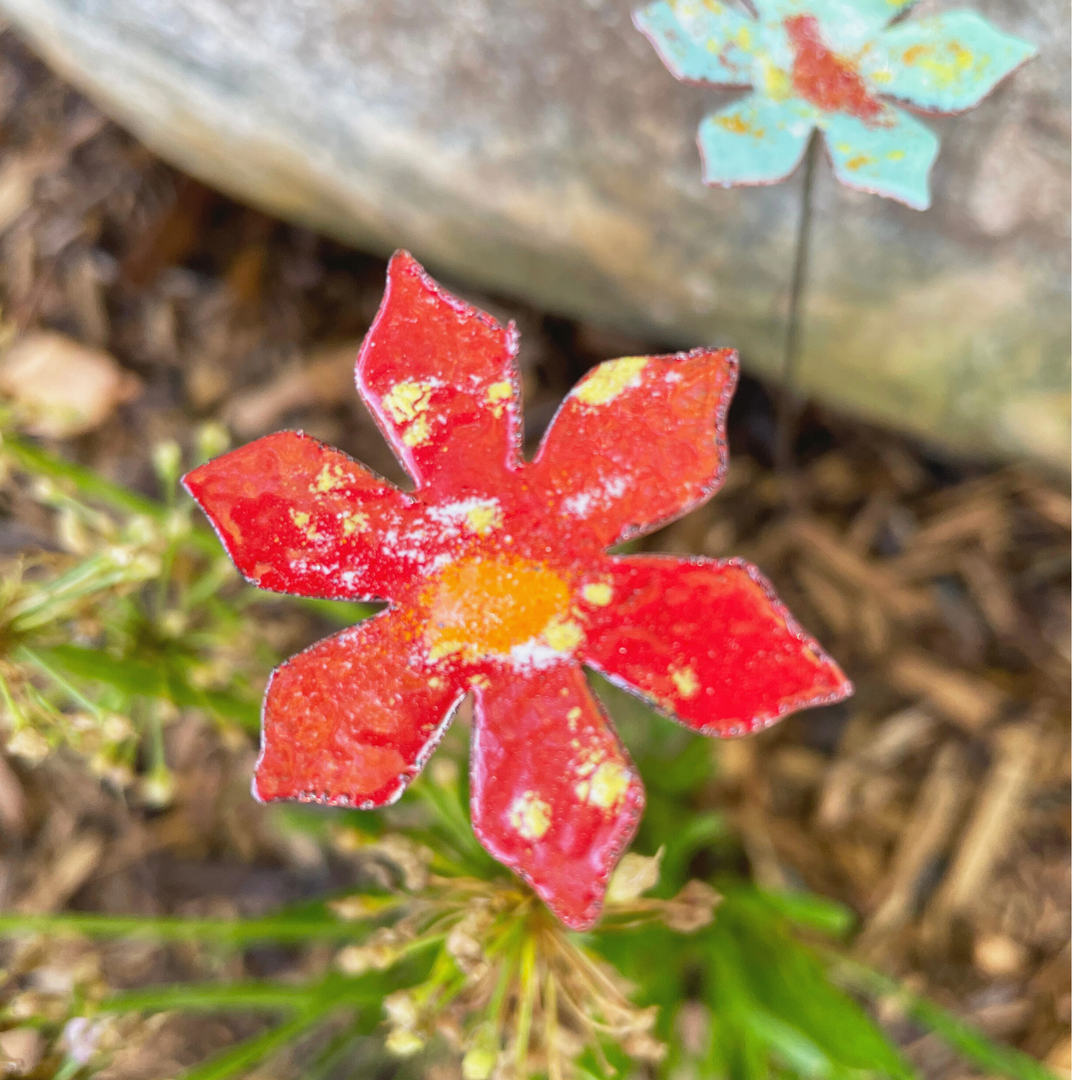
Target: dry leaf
(60,388)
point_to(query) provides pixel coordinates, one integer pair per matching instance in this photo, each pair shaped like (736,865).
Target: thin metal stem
(789,403)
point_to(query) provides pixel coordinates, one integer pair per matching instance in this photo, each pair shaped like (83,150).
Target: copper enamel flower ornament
(498,583)
(833,65)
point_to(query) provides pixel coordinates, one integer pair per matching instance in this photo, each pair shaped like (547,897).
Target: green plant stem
(787,411)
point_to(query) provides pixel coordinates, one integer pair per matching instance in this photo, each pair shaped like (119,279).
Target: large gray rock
(540,148)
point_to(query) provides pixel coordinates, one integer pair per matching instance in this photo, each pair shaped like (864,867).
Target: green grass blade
(141,678)
(87,482)
(367,989)
(168,928)
(212,996)
(810,911)
(795,1047)
(964,1038)
(251,1051)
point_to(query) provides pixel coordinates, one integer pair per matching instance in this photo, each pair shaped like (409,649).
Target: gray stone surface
(540,149)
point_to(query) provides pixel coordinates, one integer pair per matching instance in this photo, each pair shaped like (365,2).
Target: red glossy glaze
(499,583)
(819,76)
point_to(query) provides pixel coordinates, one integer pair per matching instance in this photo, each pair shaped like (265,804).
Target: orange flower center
(487,607)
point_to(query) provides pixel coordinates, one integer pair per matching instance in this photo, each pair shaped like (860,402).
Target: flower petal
(554,795)
(638,442)
(708,643)
(700,42)
(300,517)
(753,141)
(946,63)
(352,720)
(890,158)
(440,377)
(849,22)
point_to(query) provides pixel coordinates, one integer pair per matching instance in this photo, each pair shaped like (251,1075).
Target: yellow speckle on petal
(562,634)
(330,478)
(607,381)
(573,716)
(530,816)
(776,83)
(915,53)
(597,593)
(686,682)
(859,162)
(482,519)
(895,155)
(607,785)
(354,521)
(407,400)
(498,394)
(743,39)
(417,433)
(435,682)
(302,520)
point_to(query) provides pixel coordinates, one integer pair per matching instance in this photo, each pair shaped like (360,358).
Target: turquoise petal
(716,53)
(753,141)
(948,62)
(891,158)
(848,23)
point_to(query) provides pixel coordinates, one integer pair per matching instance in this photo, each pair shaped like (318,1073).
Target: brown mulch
(935,803)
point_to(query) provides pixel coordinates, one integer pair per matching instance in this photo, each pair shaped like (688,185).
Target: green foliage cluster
(440,952)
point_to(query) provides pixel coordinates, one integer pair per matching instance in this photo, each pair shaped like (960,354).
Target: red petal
(639,441)
(352,720)
(301,517)
(554,795)
(709,643)
(441,378)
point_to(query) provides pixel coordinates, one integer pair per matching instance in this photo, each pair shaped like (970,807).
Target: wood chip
(324,379)
(967,700)
(16,187)
(1055,506)
(64,875)
(999,956)
(990,830)
(821,543)
(930,828)
(988,587)
(829,601)
(12,803)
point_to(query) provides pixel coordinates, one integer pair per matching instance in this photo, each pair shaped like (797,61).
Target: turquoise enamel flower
(834,65)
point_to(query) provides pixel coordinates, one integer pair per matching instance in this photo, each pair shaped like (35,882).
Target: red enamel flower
(498,583)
